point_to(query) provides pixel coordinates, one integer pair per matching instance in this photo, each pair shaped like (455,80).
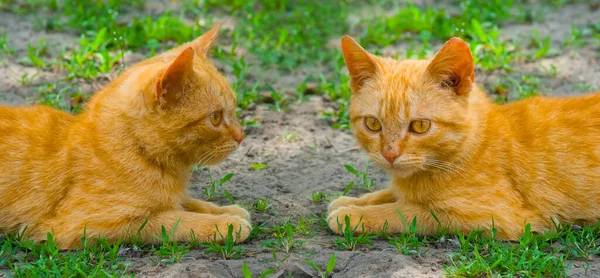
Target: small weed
(69,98)
(304,226)
(288,136)
(229,196)
(258,166)
(247,274)
(542,46)
(408,243)
(27,79)
(328,269)
(214,186)
(261,205)
(92,57)
(352,236)
(227,250)
(5,48)
(317,196)
(285,239)
(584,87)
(170,251)
(363,176)
(36,54)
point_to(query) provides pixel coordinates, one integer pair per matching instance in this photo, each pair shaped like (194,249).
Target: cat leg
(68,234)
(369,199)
(203,226)
(200,206)
(374,217)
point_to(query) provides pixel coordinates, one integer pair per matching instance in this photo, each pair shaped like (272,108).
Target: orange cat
(126,159)
(452,152)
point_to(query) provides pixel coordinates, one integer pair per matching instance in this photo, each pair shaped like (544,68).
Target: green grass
(228,249)
(24,258)
(353,236)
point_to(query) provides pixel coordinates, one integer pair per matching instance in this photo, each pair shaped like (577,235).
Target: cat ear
(174,78)
(453,67)
(203,44)
(361,65)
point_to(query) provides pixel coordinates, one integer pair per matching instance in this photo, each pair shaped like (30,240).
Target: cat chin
(402,172)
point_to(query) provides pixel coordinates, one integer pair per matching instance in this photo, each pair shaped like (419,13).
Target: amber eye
(372,124)
(215,118)
(420,126)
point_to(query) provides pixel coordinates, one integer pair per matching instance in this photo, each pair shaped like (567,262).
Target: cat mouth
(216,155)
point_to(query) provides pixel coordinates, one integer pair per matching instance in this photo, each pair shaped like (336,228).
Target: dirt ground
(314,161)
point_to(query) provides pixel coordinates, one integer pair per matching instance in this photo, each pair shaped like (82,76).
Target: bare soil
(313,161)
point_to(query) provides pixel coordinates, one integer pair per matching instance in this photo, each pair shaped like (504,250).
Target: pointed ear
(361,65)
(452,67)
(172,81)
(203,44)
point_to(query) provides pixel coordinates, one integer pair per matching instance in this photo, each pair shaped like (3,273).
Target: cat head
(411,116)
(179,104)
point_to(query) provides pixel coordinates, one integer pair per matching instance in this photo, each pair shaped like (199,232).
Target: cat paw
(241,229)
(358,223)
(343,201)
(236,210)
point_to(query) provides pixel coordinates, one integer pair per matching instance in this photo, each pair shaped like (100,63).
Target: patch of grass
(407,243)
(317,196)
(302,28)
(27,79)
(227,250)
(214,186)
(278,264)
(27,259)
(92,57)
(584,87)
(288,136)
(37,54)
(170,251)
(328,271)
(363,176)
(5,48)
(284,238)
(352,236)
(532,256)
(261,205)
(65,97)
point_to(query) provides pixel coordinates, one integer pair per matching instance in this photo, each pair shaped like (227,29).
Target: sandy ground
(312,162)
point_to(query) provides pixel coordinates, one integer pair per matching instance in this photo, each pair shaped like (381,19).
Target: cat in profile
(125,161)
(457,160)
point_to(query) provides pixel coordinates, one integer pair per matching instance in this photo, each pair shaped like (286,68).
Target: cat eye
(420,126)
(372,124)
(215,118)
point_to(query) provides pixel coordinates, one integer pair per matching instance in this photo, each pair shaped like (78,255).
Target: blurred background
(278,52)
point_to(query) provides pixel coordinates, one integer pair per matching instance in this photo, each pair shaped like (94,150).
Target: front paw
(241,229)
(343,201)
(357,224)
(236,210)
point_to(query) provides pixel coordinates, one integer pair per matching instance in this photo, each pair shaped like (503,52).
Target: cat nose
(238,134)
(239,137)
(391,155)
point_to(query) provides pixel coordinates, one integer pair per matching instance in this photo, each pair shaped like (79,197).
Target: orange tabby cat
(452,152)
(126,159)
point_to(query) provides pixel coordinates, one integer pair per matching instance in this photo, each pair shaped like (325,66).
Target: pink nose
(391,155)
(239,137)
(238,134)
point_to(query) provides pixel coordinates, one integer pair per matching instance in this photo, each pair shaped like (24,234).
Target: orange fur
(126,159)
(533,161)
